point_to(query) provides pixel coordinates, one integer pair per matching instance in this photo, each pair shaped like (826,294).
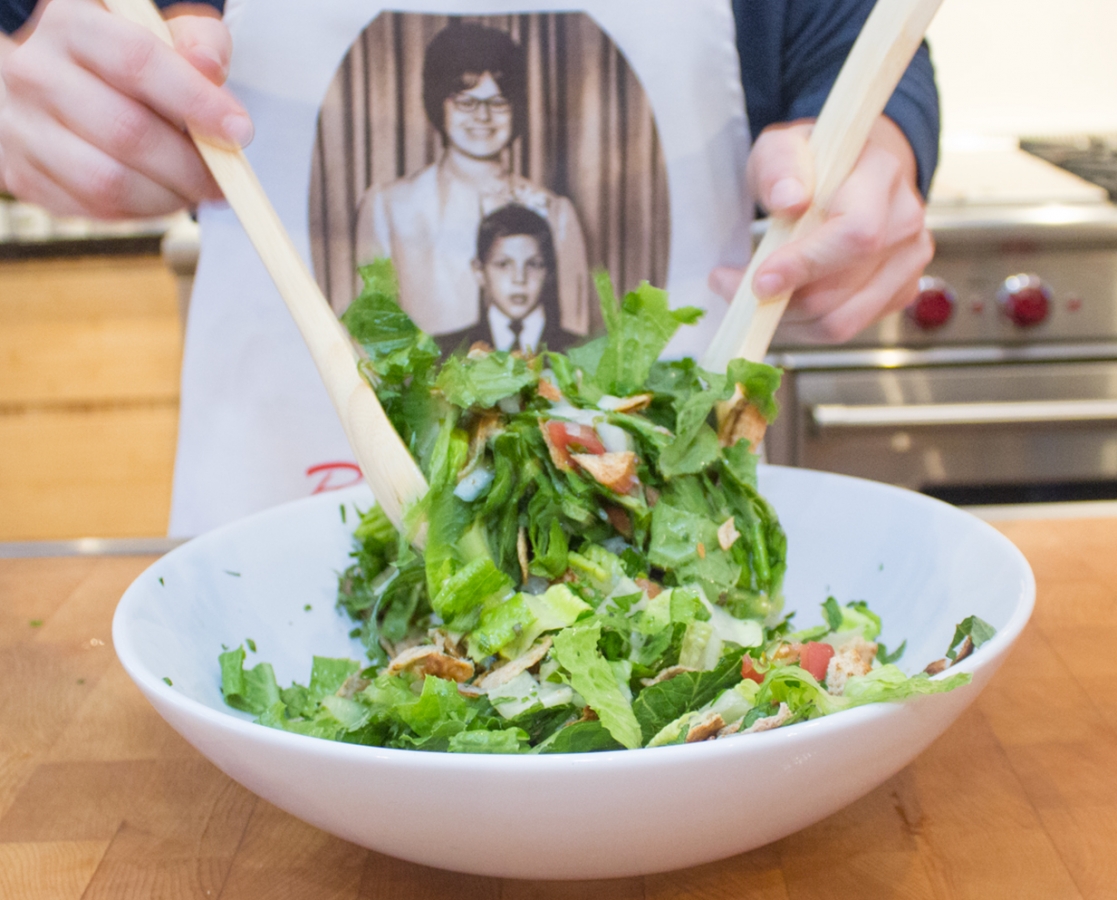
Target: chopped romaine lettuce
(600,570)
(591,676)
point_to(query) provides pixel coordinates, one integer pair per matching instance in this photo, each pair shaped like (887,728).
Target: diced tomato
(564,438)
(576,438)
(749,671)
(815,658)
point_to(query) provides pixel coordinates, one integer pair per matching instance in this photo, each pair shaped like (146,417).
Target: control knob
(933,305)
(1025,299)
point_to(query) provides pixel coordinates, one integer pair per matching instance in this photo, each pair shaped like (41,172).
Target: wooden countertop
(100,799)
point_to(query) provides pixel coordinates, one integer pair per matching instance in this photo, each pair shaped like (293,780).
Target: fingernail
(238,128)
(785,193)
(769,285)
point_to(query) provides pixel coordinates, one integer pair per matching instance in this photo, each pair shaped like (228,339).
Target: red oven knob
(933,305)
(1025,299)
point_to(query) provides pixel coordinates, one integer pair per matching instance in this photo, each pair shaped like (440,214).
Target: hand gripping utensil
(393,475)
(877,61)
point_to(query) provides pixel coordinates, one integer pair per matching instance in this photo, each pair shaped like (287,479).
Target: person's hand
(864,261)
(96,108)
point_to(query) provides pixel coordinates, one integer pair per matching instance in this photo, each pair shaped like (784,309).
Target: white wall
(1010,67)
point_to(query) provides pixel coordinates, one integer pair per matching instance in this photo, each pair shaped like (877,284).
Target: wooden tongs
(874,67)
(388,467)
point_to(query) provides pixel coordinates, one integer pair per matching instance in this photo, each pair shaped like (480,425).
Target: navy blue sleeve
(791,51)
(13,13)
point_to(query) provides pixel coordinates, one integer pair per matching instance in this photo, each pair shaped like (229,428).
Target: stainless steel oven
(998,385)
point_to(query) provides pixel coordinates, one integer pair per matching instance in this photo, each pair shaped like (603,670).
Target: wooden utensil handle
(874,67)
(392,473)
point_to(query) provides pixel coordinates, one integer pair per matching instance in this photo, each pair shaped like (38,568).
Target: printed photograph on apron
(497,160)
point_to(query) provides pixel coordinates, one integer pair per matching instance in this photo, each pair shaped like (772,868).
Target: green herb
(884,657)
(977,630)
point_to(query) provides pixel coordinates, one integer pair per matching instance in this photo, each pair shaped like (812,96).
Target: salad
(598,569)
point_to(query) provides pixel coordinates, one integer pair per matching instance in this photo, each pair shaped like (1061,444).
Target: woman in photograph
(474,94)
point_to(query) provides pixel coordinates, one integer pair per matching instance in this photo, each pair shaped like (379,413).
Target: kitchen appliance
(1092,157)
(999,383)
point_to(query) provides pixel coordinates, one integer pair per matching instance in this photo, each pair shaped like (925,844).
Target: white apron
(256,425)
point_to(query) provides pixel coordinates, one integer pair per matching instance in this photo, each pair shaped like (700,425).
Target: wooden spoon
(874,67)
(393,475)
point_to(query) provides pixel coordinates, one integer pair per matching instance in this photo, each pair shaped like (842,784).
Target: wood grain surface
(100,799)
(90,351)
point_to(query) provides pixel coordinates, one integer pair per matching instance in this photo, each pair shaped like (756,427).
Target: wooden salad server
(389,469)
(877,61)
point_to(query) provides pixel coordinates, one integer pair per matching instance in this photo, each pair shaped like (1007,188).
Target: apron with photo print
(467,142)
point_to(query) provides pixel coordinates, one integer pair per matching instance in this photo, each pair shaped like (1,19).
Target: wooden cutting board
(100,799)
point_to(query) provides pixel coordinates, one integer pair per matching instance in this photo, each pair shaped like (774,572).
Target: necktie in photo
(516,326)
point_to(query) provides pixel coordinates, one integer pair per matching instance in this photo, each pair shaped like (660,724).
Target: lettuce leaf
(591,676)
(439,704)
(469,588)
(796,687)
(326,676)
(976,629)
(502,623)
(638,331)
(395,347)
(732,704)
(660,704)
(760,382)
(686,544)
(889,683)
(580,737)
(507,740)
(250,690)
(467,382)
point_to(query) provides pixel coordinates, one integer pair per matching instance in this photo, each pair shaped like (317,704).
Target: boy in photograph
(516,273)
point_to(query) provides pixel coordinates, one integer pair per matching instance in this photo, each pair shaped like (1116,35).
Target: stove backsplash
(1040,67)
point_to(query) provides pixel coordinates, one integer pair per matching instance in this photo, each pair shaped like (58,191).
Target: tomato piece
(564,438)
(749,671)
(815,658)
(576,438)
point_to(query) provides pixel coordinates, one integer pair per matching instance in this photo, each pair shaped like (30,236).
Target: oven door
(968,434)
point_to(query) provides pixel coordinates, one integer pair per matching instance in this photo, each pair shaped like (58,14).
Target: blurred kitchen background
(998,386)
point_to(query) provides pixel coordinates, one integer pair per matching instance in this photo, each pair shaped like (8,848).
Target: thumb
(205,43)
(780,169)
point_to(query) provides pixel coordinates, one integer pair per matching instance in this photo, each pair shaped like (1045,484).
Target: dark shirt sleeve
(791,51)
(13,13)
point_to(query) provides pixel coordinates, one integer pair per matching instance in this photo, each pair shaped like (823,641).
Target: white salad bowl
(922,565)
